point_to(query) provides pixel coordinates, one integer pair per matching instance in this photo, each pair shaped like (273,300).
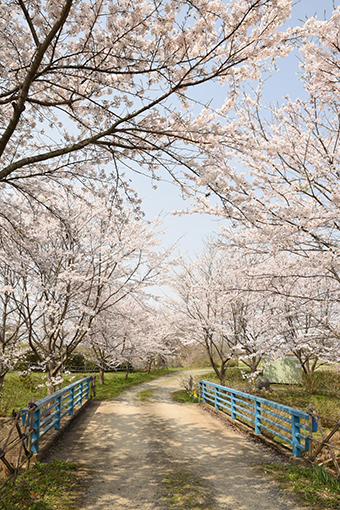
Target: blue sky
(190,230)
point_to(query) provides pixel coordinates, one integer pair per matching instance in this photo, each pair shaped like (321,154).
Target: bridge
(148,455)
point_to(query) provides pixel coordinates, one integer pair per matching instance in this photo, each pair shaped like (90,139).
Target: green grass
(145,395)
(183,396)
(182,490)
(46,486)
(18,391)
(313,487)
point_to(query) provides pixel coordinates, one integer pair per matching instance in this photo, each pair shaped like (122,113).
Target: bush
(325,382)
(232,363)
(28,359)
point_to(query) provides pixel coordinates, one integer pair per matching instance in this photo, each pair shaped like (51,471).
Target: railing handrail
(277,405)
(43,401)
(49,411)
(260,413)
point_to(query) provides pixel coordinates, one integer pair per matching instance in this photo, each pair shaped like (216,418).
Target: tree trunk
(50,375)
(101,375)
(2,378)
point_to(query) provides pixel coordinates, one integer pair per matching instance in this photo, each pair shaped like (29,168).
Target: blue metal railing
(287,423)
(48,412)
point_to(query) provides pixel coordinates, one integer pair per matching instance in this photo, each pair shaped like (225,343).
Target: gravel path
(159,454)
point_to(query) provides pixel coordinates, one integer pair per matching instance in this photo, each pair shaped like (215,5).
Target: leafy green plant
(326,478)
(313,487)
(46,486)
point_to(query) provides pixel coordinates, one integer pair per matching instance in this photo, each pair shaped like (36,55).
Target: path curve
(137,451)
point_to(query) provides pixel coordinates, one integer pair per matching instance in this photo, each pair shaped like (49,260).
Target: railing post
(71,402)
(203,392)
(257,417)
(295,437)
(232,405)
(36,431)
(87,389)
(309,442)
(80,394)
(28,420)
(58,413)
(93,385)
(216,397)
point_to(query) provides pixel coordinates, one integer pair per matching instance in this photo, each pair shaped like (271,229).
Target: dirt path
(159,454)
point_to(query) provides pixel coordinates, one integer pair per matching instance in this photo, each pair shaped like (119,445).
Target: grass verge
(46,486)
(312,487)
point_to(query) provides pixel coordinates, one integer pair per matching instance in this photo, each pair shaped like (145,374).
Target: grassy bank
(312,487)
(18,390)
(54,486)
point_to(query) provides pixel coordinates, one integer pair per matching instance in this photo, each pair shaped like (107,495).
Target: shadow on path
(131,447)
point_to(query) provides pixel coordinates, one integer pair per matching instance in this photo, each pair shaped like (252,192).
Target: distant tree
(132,333)
(202,306)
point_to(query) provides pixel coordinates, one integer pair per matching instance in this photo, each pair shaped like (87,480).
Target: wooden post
(80,394)
(87,389)
(71,402)
(203,392)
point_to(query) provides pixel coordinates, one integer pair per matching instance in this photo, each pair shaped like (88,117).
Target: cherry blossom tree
(289,198)
(84,85)
(200,309)
(76,265)
(11,325)
(222,308)
(306,314)
(287,201)
(133,333)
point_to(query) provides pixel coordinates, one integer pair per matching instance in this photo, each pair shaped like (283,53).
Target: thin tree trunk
(101,375)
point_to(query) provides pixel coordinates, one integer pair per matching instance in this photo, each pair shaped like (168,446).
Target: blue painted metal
(71,402)
(262,414)
(49,411)
(257,417)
